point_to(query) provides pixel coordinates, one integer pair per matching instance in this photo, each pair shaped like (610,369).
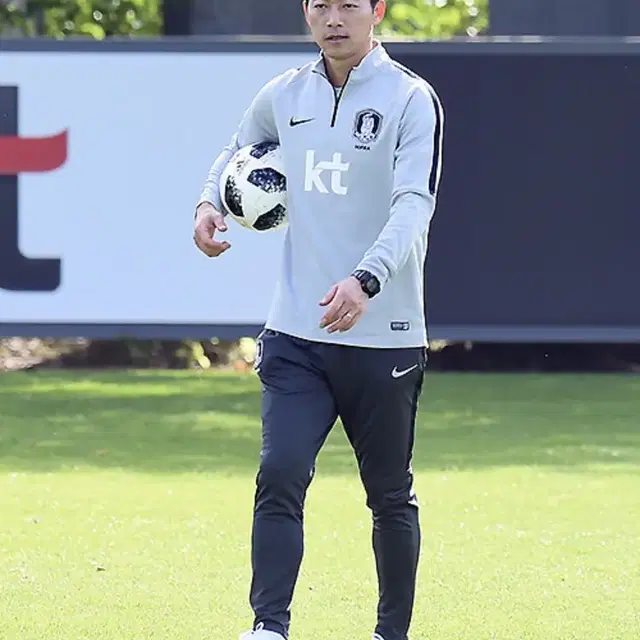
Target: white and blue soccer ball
(253,187)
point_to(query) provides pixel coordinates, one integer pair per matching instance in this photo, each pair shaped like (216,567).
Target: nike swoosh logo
(295,123)
(398,374)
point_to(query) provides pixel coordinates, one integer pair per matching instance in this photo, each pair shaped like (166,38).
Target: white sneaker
(377,636)
(261,634)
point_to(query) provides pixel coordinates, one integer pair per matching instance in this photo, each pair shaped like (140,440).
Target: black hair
(373,3)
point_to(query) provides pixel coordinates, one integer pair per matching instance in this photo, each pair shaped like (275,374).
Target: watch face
(369,282)
(372,285)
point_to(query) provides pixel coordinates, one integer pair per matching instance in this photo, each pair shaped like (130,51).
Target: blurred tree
(435,19)
(92,18)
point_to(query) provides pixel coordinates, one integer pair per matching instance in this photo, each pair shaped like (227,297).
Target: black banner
(538,221)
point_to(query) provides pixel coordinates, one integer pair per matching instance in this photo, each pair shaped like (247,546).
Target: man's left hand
(346,302)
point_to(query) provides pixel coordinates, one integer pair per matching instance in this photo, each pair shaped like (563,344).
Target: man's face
(343,28)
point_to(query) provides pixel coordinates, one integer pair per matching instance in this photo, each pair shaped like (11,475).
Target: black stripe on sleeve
(436,161)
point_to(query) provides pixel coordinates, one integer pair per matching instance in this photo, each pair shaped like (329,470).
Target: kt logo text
(23,155)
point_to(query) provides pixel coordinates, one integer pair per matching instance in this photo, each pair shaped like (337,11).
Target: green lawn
(125,505)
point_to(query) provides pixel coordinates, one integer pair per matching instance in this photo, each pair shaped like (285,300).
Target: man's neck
(338,70)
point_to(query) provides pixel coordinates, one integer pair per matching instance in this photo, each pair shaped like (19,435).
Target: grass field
(125,505)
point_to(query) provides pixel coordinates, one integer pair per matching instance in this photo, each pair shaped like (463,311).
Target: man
(346,333)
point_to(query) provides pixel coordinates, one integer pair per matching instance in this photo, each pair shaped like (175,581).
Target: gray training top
(363,167)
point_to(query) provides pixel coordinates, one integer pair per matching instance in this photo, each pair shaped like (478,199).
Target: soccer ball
(253,187)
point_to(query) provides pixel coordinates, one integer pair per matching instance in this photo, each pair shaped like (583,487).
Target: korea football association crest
(367,125)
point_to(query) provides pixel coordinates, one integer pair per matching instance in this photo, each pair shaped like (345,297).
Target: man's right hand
(208,221)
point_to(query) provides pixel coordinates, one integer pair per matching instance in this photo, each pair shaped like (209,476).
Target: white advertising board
(142,130)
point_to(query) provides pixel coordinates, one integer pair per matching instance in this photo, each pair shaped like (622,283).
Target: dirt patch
(25,353)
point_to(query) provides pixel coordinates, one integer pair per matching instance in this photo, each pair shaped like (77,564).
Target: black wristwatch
(369,283)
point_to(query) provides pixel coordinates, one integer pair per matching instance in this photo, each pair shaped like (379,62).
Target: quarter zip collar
(367,67)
